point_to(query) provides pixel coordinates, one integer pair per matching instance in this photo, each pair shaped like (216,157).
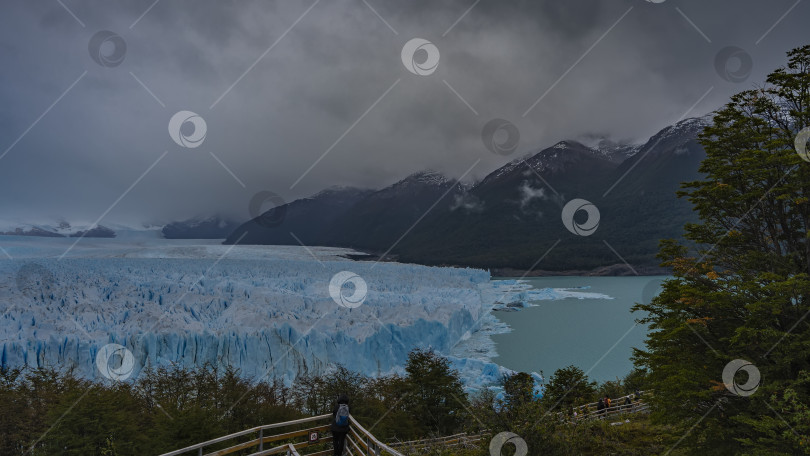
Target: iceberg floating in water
(516,294)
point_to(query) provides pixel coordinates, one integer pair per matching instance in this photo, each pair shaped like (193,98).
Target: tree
(15,418)
(518,389)
(436,397)
(568,387)
(611,389)
(96,420)
(743,292)
(636,380)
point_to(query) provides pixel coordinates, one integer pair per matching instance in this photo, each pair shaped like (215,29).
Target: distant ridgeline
(513,216)
(64,230)
(206,228)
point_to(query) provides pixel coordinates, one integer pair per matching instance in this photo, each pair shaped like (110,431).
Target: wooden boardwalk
(311,436)
(619,406)
(307,436)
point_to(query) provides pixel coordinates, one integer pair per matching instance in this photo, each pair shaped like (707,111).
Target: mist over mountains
(512,218)
(509,222)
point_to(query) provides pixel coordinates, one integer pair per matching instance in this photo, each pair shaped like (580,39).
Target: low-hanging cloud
(467,202)
(280,89)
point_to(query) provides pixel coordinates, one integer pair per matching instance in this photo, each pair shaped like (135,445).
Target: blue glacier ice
(265,310)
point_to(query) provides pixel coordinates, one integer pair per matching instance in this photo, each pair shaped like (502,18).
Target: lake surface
(596,335)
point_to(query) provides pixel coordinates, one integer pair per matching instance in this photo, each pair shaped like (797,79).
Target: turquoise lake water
(597,335)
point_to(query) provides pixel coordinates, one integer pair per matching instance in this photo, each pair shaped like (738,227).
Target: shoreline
(612,270)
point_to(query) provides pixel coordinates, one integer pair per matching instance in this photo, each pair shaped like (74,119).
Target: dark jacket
(335,427)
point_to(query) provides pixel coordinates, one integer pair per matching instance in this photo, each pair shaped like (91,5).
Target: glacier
(265,310)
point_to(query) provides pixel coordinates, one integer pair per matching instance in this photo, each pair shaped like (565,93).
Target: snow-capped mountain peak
(426,177)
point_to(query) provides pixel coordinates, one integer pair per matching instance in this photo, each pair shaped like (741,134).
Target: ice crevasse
(265,317)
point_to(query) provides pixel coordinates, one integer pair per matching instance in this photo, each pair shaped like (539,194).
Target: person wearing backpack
(340,424)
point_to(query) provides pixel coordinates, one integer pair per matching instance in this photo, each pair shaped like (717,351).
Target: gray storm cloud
(281,85)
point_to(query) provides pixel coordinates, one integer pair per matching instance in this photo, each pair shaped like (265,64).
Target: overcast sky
(280,84)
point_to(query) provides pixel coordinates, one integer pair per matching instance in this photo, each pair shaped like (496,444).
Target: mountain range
(63,229)
(511,220)
(214,227)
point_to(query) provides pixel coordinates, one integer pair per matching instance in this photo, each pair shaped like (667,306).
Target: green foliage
(318,394)
(611,389)
(169,408)
(568,387)
(547,430)
(435,395)
(105,421)
(745,292)
(43,412)
(518,388)
(636,380)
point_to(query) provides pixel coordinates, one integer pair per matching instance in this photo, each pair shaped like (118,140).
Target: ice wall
(268,317)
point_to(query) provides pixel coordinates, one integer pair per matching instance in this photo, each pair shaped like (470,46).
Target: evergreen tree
(635,381)
(518,388)
(14,416)
(611,389)
(436,398)
(568,387)
(745,292)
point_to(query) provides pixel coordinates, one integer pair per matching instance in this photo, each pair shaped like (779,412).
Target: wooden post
(261,439)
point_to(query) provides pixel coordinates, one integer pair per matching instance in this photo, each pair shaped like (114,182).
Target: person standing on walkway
(340,424)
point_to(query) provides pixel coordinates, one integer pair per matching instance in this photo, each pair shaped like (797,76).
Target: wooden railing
(613,410)
(309,433)
(258,438)
(359,442)
(462,440)
(613,400)
(619,406)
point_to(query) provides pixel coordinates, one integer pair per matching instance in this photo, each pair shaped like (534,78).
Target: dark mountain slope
(377,221)
(310,219)
(513,216)
(207,228)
